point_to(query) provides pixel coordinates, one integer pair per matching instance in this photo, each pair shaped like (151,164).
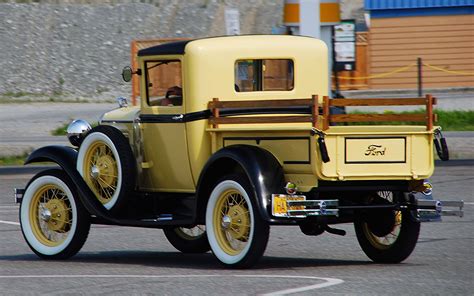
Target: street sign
(344,46)
(232,22)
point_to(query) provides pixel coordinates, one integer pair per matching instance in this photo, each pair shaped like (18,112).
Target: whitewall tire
(53,221)
(106,163)
(236,233)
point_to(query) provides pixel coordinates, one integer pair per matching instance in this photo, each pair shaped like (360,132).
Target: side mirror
(127,74)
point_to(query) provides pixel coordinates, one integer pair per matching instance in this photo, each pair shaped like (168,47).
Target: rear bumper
(429,210)
(297,207)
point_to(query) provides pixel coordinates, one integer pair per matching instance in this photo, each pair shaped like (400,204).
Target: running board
(160,221)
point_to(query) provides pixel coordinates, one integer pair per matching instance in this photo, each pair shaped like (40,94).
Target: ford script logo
(375,150)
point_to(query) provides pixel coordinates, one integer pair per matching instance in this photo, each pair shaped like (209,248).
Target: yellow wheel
(236,233)
(387,236)
(384,241)
(106,163)
(101,169)
(232,222)
(53,221)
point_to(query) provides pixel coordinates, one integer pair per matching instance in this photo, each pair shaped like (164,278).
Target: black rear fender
(260,167)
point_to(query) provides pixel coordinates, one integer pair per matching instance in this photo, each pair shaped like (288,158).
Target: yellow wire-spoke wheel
(232,222)
(190,233)
(386,241)
(50,215)
(188,239)
(101,171)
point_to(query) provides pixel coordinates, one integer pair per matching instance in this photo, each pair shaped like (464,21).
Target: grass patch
(14,159)
(61,130)
(456,120)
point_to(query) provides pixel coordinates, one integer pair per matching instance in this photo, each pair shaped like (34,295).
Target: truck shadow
(187,261)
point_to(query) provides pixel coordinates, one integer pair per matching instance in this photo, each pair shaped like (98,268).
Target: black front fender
(66,158)
(260,167)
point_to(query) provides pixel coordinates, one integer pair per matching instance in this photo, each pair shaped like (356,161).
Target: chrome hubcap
(226,220)
(45,215)
(95,172)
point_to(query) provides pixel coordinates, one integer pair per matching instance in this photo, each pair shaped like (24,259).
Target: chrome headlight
(77,130)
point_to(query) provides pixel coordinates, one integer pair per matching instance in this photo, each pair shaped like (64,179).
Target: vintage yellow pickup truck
(232,135)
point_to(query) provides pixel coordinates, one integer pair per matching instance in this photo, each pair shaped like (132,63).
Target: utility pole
(310,24)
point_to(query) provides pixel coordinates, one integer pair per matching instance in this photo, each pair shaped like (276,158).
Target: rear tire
(188,240)
(53,220)
(237,234)
(390,239)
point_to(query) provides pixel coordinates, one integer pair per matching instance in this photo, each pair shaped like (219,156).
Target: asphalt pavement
(124,261)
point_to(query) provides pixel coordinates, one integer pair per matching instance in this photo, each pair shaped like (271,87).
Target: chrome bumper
(18,194)
(427,209)
(296,206)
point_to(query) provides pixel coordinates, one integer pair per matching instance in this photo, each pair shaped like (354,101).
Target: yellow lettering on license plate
(280,207)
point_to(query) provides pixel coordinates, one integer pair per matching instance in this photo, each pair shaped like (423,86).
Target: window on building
(264,75)
(164,83)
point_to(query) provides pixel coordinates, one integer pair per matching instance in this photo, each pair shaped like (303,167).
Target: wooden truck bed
(338,152)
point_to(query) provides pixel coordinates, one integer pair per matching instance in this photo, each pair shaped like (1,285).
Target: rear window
(264,75)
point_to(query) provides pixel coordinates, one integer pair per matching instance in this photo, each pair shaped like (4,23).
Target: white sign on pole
(232,21)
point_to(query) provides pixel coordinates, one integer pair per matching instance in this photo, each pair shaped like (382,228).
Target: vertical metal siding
(407,4)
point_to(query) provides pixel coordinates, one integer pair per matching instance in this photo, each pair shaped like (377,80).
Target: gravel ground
(79,50)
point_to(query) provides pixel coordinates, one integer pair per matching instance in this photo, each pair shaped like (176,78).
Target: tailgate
(377,152)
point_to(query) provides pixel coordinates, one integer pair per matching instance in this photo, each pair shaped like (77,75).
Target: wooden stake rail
(215,105)
(429,117)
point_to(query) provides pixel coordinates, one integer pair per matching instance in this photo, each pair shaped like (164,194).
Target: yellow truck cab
(232,135)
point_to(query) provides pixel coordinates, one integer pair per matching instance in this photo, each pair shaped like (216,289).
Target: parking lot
(124,261)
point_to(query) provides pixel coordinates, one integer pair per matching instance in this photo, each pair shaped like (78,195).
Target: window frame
(261,79)
(171,59)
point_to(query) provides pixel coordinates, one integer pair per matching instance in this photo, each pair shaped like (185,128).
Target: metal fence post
(420,77)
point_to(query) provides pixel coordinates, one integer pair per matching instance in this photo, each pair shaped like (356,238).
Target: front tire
(390,238)
(237,234)
(188,240)
(53,221)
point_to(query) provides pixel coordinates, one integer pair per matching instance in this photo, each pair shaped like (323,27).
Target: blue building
(441,32)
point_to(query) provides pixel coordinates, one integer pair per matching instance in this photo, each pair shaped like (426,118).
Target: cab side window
(164,83)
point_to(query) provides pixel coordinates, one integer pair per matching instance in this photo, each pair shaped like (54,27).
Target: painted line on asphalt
(327,281)
(10,222)
(469,203)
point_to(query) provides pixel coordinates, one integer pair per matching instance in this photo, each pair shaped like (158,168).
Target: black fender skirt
(66,158)
(261,168)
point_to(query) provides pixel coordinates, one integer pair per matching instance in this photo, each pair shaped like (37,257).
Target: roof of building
(410,4)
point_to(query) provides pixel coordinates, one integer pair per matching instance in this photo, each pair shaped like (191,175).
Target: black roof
(176,47)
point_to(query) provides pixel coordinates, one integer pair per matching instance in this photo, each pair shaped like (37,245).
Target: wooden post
(215,112)
(314,110)
(429,112)
(325,112)
(134,66)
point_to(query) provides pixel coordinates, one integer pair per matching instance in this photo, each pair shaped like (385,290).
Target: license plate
(280,207)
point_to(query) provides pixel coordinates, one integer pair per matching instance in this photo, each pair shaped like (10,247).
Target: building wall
(444,41)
